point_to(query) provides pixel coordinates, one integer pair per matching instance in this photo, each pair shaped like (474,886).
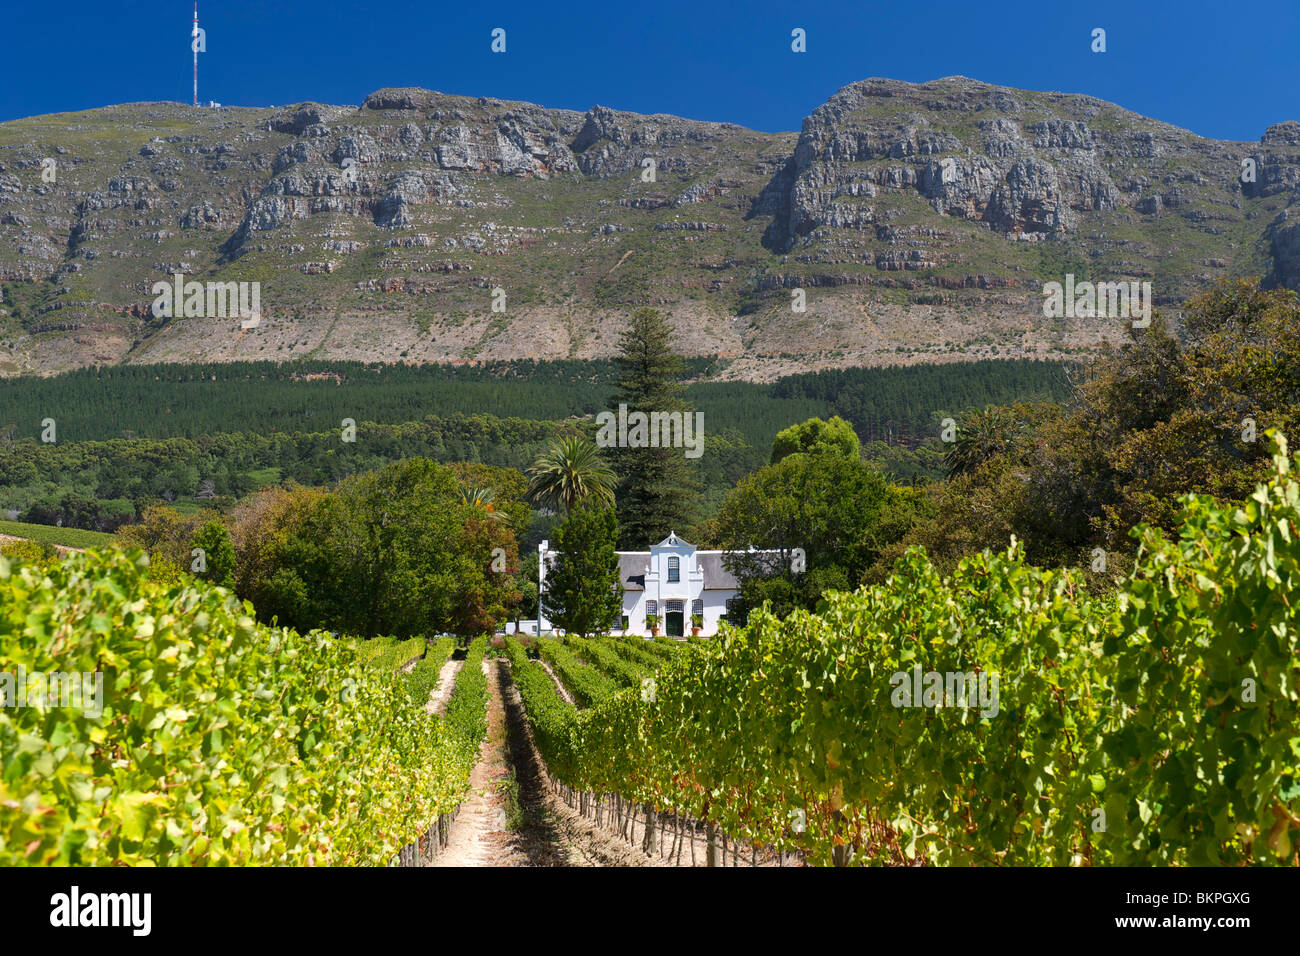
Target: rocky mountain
(921,221)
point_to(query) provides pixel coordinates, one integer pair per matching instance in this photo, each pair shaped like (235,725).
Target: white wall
(658,588)
(715,606)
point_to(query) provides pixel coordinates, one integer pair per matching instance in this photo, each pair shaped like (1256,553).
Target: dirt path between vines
(559,684)
(61,548)
(446,684)
(543,831)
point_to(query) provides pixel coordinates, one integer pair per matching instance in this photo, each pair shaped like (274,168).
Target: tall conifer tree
(656,490)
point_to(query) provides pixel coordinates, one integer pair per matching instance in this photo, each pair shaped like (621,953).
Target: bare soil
(446,684)
(547,828)
(545,832)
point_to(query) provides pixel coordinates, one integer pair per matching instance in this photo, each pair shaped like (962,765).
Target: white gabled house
(672,581)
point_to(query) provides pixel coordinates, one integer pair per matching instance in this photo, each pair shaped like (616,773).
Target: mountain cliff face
(921,221)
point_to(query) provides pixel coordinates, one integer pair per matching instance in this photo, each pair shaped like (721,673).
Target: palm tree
(983,435)
(570,471)
(483,498)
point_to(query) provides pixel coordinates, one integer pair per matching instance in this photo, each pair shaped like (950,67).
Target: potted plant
(652,622)
(697,622)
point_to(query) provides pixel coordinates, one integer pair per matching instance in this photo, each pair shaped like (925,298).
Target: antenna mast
(194,45)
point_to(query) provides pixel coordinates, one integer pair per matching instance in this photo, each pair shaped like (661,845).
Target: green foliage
(368,650)
(570,471)
(981,435)
(220,741)
(466,715)
(830,506)
(549,716)
(587,685)
(117,456)
(62,507)
(115,478)
(219,553)
(1157,726)
(1152,421)
(303,397)
(582,592)
(609,659)
(163,532)
(500,491)
(651,654)
(817,437)
(30,551)
(423,679)
(395,551)
(656,488)
(397,654)
(906,404)
(66,537)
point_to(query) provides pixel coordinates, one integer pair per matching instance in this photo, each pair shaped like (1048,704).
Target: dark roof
(631,569)
(716,575)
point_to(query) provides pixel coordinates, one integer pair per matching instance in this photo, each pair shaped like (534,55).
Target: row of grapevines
(549,715)
(466,714)
(587,685)
(1159,725)
(659,649)
(398,654)
(423,679)
(369,649)
(631,649)
(608,660)
(219,740)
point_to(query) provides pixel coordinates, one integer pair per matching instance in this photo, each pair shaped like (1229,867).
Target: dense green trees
(165,532)
(983,434)
(905,405)
(192,400)
(254,424)
(1171,412)
(582,593)
(828,515)
(403,550)
(98,484)
(217,557)
(395,551)
(165,401)
(817,437)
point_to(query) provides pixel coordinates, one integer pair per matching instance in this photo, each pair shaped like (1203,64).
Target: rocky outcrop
(948,192)
(1284,246)
(611,143)
(1016,179)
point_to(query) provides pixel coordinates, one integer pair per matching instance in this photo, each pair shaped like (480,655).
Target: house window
(622,622)
(697,609)
(651,608)
(674,569)
(674,607)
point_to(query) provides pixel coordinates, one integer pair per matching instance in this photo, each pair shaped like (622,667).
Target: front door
(673,623)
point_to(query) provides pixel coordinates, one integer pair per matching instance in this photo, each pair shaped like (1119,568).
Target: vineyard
(57,537)
(219,740)
(1156,725)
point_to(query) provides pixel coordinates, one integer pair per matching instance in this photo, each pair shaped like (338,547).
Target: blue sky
(1225,70)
